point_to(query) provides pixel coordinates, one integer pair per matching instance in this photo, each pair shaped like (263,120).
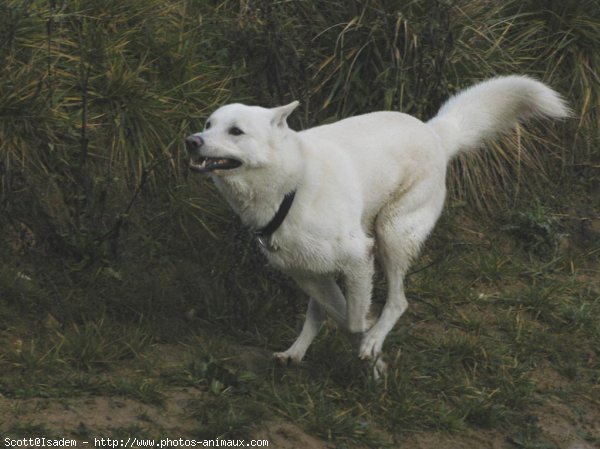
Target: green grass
(467,355)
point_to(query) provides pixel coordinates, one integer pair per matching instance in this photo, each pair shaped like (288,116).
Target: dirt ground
(80,417)
(100,415)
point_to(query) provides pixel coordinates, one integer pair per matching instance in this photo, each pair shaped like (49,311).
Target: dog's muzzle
(205,164)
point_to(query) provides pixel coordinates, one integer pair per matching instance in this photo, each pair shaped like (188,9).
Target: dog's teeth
(209,163)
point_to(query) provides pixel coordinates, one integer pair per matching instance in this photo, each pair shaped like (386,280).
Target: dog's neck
(257,196)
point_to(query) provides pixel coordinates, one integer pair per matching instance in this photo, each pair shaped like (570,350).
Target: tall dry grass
(345,58)
(95,98)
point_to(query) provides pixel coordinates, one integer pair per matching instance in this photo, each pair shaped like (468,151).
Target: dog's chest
(301,253)
(316,250)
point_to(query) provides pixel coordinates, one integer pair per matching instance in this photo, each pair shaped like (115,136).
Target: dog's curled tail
(492,107)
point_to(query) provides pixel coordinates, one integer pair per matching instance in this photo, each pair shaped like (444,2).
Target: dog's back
(389,152)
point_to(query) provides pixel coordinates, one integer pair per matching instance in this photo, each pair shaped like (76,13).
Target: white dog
(324,201)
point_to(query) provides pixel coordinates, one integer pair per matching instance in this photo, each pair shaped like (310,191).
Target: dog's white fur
(365,185)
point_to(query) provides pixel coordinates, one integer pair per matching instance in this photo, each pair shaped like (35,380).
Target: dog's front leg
(326,292)
(359,285)
(326,298)
(315,315)
(358,278)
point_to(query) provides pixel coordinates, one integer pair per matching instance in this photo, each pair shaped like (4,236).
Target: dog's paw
(375,369)
(286,358)
(379,368)
(370,346)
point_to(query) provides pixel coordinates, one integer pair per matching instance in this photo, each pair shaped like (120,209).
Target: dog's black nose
(193,143)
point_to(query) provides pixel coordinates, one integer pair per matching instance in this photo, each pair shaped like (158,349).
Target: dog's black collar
(266,231)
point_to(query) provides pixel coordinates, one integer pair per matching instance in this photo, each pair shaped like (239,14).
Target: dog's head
(236,138)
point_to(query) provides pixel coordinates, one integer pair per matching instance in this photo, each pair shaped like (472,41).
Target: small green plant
(536,229)
(96,344)
(530,436)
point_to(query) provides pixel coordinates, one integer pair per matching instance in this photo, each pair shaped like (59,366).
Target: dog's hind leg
(326,298)
(400,234)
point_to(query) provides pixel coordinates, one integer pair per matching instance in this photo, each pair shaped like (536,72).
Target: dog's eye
(235,131)
(207,126)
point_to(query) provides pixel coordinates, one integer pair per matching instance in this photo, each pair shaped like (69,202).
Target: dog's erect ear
(281,114)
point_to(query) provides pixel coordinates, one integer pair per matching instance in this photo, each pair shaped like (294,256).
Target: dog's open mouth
(208,164)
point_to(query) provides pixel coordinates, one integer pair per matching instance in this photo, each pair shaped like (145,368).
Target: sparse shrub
(535,229)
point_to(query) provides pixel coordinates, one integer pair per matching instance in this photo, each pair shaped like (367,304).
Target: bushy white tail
(492,107)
